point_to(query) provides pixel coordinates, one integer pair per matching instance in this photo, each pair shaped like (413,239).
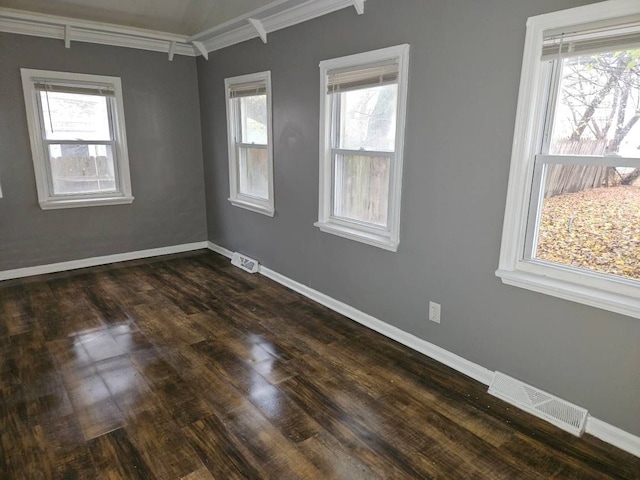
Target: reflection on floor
(186,367)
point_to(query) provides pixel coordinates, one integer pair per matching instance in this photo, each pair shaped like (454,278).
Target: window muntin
(544,215)
(587,203)
(249,133)
(253,178)
(78,139)
(363,151)
(362,112)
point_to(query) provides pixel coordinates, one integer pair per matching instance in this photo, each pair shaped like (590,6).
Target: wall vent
(554,410)
(245,263)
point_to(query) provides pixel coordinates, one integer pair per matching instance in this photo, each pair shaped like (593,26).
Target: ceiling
(183,17)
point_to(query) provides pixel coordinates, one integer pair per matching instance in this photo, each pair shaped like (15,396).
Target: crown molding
(275,16)
(258,23)
(73,30)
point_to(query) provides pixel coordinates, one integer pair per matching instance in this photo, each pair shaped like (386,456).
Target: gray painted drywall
(465,65)
(165,156)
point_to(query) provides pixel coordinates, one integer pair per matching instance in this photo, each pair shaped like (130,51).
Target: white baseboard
(452,360)
(221,250)
(614,436)
(602,430)
(103,260)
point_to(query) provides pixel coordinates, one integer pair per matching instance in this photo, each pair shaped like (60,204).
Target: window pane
(362,188)
(368,119)
(598,105)
(73,116)
(253,119)
(78,169)
(590,219)
(254,172)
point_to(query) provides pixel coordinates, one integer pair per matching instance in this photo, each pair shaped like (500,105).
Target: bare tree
(602,95)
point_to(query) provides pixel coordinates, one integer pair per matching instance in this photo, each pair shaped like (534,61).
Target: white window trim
(597,290)
(384,239)
(265,207)
(46,198)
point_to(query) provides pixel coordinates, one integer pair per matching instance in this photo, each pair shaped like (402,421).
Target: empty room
(319,239)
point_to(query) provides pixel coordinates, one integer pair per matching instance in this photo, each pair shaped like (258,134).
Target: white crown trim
(274,16)
(74,30)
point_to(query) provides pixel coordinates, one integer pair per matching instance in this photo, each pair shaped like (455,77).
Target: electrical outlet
(434,312)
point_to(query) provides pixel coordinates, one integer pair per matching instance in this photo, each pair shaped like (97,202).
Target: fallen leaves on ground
(596,229)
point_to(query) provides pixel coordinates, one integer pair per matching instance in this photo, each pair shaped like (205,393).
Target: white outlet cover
(434,312)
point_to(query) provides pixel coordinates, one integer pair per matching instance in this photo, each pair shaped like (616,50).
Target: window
(362,116)
(249,138)
(78,139)
(572,221)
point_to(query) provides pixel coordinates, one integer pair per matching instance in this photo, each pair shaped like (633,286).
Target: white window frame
(258,205)
(385,238)
(46,197)
(598,290)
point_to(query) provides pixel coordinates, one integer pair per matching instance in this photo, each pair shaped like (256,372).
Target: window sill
(85,202)
(380,241)
(269,211)
(586,295)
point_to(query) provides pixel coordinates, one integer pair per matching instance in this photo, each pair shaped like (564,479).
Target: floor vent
(561,413)
(245,263)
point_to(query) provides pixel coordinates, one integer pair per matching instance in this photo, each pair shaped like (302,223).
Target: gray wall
(165,155)
(464,72)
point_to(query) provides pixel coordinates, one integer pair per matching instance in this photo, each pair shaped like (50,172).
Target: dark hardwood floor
(185,367)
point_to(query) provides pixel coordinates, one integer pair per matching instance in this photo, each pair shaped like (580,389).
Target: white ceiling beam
(172,50)
(200,47)
(359,6)
(257,24)
(67,36)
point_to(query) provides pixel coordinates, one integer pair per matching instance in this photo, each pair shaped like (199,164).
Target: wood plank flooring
(185,367)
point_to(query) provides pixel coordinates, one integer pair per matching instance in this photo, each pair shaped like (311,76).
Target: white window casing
(516,265)
(256,195)
(96,86)
(387,66)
